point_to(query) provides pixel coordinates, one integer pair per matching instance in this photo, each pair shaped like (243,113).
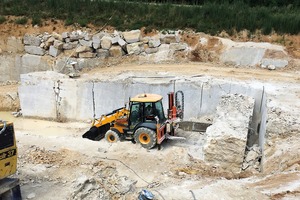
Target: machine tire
(112,136)
(146,137)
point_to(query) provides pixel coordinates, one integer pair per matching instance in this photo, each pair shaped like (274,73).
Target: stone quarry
(238,115)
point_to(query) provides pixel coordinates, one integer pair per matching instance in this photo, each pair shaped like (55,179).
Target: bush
(36,20)
(22,20)
(2,19)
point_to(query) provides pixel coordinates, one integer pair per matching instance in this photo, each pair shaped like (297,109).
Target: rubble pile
(81,44)
(227,136)
(252,159)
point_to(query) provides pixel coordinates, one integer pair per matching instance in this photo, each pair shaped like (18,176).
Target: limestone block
(96,39)
(114,40)
(81,49)
(102,53)
(74,36)
(53,51)
(31,40)
(57,36)
(87,55)
(70,45)
(278,63)
(116,51)
(14,44)
(135,48)
(178,46)
(227,136)
(169,38)
(132,36)
(145,40)
(58,44)
(86,43)
(149,50)
(65,35)
(106,42)
(121,42)
(31,63)
(49,42)
(45,37)
(154,43)
(88,37)
(34,50)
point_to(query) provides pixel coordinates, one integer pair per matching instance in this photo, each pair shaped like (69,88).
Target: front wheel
(146,137)
(112,136)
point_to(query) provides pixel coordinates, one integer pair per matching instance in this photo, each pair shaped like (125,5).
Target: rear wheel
(112,136)
(146,137)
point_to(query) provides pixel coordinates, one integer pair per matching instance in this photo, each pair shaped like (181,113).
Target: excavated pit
(56,96)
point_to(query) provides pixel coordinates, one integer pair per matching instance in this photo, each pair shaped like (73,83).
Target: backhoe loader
(144,122)
(9,187)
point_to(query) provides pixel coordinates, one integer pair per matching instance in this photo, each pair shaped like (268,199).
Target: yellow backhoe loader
(9,187)
(144,122)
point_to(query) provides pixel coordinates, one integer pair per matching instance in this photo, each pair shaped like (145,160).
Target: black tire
(146,137)
(112,136)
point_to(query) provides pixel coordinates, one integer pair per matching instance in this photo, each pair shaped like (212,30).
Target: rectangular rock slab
(87,55)
(54,51)
(31,40)
(132,36)
(34,50)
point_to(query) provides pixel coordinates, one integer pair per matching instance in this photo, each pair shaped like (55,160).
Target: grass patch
(209,16)
(21,20)
(2,19)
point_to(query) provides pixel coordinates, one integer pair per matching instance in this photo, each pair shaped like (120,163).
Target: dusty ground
(56,163)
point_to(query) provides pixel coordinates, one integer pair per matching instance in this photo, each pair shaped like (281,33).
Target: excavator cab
(144,122)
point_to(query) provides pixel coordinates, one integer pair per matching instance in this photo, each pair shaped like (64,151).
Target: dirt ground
(56,163)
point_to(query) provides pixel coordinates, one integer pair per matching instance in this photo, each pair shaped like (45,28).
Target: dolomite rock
(116,51)
(32,40)
(178,46)
(53,51)
(154,43)
(35,50)
(81,49)
(102,53)
(70,45)
(169,38)
(227,136)
(132,36)
(135,48)
(87,55)
(58,44)
(106,42)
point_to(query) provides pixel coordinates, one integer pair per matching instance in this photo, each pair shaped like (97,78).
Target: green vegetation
(210,16)
(21,20)
(2,19)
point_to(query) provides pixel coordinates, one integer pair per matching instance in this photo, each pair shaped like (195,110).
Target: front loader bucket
(96,133)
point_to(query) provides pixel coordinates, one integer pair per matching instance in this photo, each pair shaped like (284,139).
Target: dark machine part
(179,104)
(96,133)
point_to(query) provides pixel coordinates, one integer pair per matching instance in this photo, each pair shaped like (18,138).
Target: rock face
(227,137)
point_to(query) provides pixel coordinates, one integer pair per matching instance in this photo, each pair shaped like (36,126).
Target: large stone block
(154,43)
(31,40)
(54,51)
(70,45)
(106,42)
(132,36)
(81,49)
(32,63)
(116,51)
(35,50)
(227,136)
(178,46)
(86,43)
(102,53)
(14,44)
(277,63)
(58,44)
(135,48)
(169,38)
